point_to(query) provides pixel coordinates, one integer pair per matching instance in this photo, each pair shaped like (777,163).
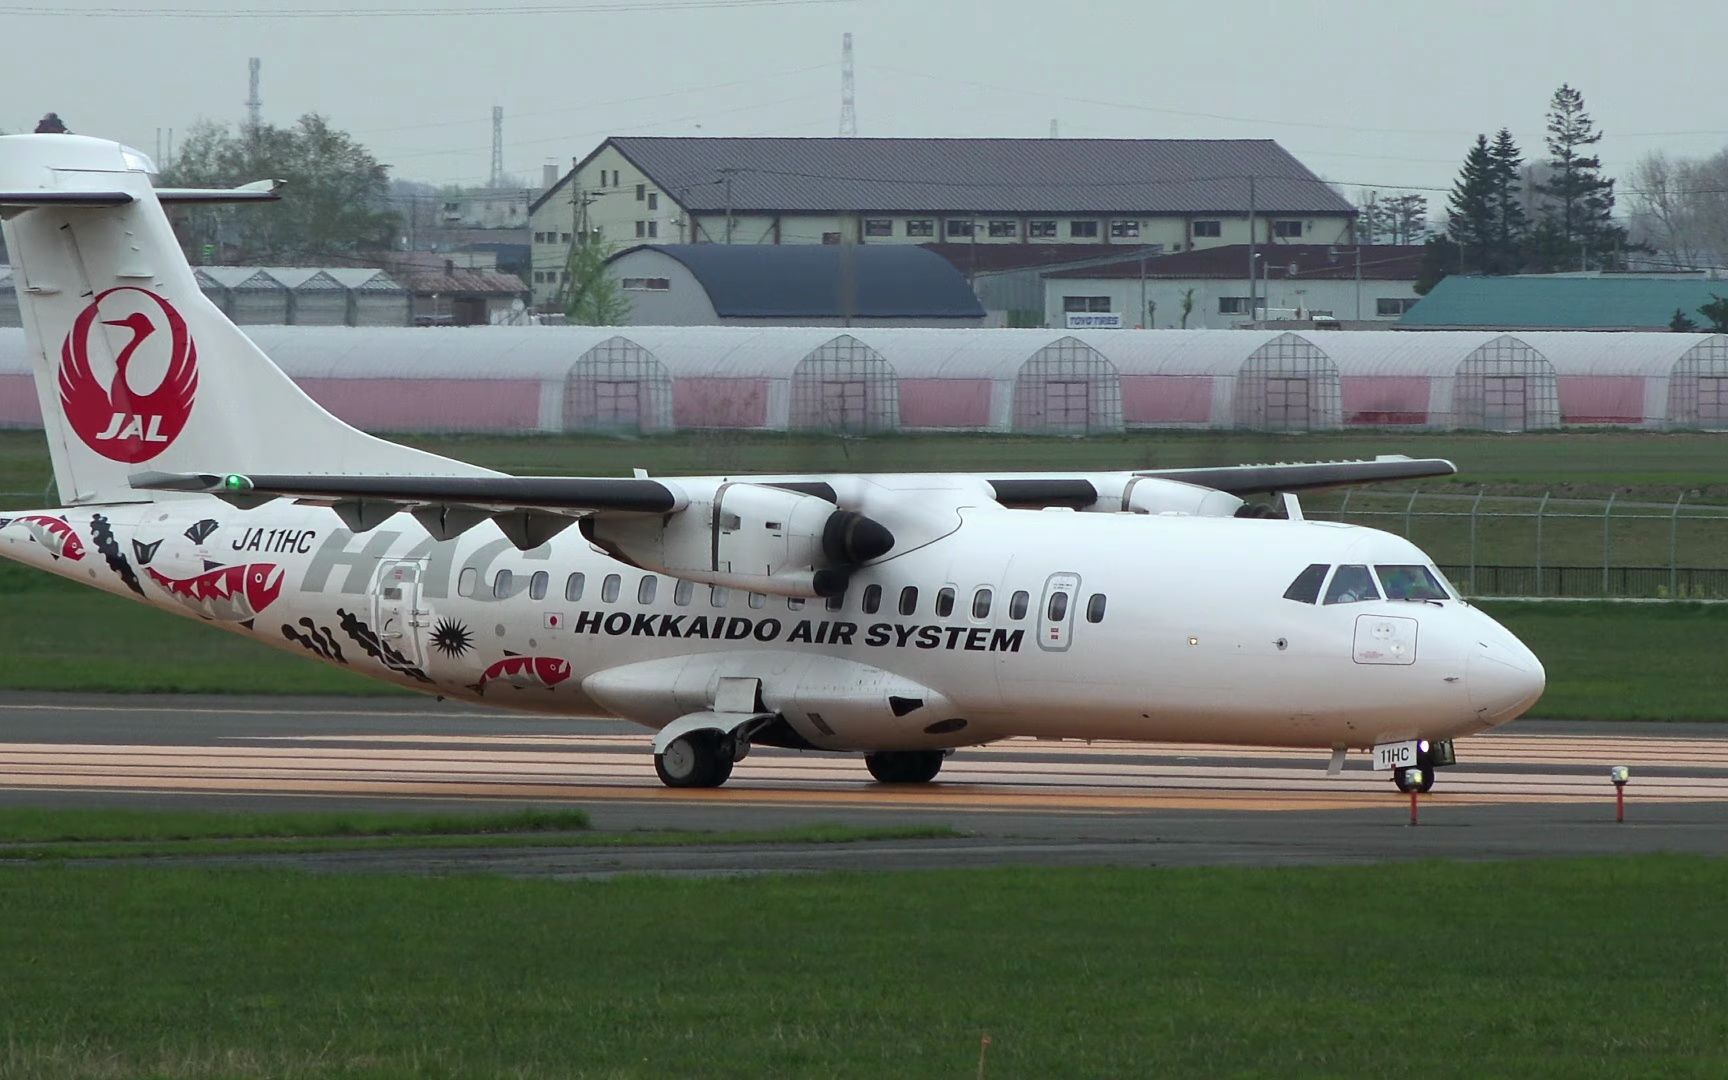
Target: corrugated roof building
(808,285)
(1564,302)
(1177,194)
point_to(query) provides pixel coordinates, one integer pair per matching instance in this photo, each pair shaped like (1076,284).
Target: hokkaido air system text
(880,635)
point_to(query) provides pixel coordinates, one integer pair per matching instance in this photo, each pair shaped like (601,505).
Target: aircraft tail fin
(135,369)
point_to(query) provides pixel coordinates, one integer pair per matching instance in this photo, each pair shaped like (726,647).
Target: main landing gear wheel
(699,759)
(904,766)
(1420,781)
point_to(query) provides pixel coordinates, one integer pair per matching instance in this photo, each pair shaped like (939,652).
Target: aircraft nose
(1505,679)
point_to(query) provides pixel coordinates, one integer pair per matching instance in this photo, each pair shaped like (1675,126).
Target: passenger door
(397,613)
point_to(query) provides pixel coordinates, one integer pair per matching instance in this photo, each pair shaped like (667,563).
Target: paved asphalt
(1538,789)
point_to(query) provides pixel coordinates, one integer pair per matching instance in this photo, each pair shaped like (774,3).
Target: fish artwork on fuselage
(225,593)
(55,534)
(524,673)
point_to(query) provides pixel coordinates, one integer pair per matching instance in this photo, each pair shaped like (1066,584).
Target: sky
(1386,95)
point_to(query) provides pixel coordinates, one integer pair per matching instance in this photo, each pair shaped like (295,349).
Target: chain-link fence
(1554,546)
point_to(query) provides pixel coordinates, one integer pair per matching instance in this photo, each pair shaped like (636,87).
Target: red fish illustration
(55,534)
(524,673)
(226,593)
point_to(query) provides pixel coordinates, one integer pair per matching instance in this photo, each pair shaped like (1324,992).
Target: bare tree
(1680,208)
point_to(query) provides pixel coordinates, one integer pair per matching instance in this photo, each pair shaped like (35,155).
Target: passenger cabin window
(609,588)
(835,603)
(1058,609)
(1411,583)
(1306,588)
(1095,608)
(981,604)
(682,592)
(944,603)
(573,587)
(1352,584)
(908,600)
(758,600)
(794,603)
(468,581)
(872,599)
(502,583)
(537,585)
(646,588)
(719,596)
(1018,604)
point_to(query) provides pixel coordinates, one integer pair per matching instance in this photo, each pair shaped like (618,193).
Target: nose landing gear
(904,766)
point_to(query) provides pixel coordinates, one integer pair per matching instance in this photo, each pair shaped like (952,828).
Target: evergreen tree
(1408,214)
(1577,228)
(1717,312)
(1511,226)
(1681,323)
(591,296)
(1470,220)
(1440,256)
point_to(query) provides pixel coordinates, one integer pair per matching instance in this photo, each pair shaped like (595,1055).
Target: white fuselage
(1193,638)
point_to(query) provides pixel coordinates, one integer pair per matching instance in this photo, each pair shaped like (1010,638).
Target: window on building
(830,238)
(502,584)
(1088,229)
(641,229)
(1232,305)
(1003,229)
(1212,229)
(646,588)
(539,238)
(957,227)
(537,585)
(1085,303)
(573,587)
(1041,230)
(1125,229)
(878,226)
(1287,229)
(565,237)
(641,192)
(920,227)
(1394,305)
(653,201)
(653,228)
(909,600)
(610,587)
(647,284)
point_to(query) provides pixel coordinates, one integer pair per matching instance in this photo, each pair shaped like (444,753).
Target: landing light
(1192,640)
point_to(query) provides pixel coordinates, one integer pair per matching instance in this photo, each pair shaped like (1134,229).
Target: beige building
(1168,194)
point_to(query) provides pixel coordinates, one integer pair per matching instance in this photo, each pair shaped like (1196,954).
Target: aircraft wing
(1306,476)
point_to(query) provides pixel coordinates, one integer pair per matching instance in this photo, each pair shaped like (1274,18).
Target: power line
(539,9)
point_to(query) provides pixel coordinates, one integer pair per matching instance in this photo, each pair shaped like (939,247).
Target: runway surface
(1534,789)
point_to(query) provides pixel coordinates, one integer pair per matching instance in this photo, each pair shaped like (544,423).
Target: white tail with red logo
(135,368)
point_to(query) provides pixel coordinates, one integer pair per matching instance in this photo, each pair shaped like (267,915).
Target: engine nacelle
(748,536)
(1153,495)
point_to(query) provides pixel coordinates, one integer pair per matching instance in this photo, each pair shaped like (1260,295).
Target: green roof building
(1594,302)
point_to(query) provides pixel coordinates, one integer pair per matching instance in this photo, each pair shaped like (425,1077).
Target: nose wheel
(699,759)
(904,766)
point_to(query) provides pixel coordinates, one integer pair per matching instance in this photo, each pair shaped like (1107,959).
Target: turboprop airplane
(899,616)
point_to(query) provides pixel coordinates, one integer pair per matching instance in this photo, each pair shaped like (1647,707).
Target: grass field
(1605,661)
(1553,969)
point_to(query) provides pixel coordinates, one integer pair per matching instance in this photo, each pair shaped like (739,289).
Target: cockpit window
(1411,583)
(1350,585)
(1306,588)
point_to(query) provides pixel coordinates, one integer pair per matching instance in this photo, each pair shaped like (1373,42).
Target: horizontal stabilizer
(63,199)
(1306,476)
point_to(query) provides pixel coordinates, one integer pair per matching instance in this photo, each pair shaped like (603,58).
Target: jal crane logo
(117,421)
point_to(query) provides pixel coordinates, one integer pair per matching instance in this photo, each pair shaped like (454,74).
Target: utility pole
(1251,210)
(848,91)
(254,107)
(497,146)
(1055,129)
(728,173)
